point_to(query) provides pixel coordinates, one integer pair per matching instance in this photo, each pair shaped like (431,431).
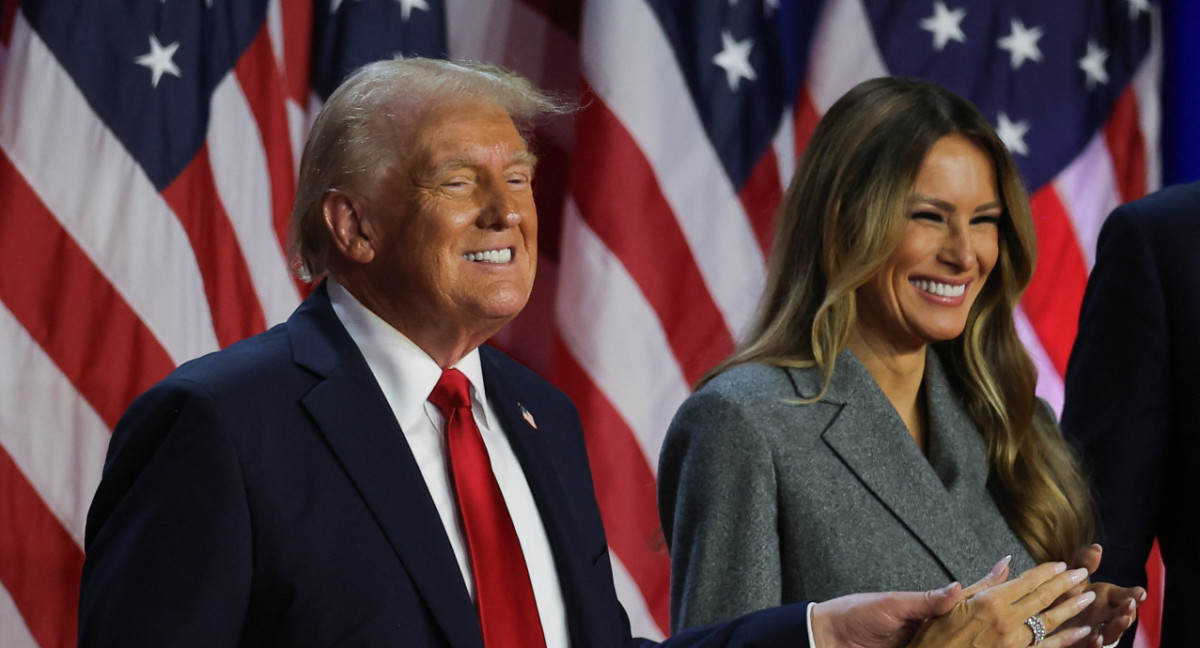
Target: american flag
(148,152)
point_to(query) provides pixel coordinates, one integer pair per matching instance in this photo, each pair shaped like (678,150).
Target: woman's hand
(996,617)
(1115,608)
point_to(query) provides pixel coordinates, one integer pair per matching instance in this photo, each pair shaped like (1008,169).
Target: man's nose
(500,208)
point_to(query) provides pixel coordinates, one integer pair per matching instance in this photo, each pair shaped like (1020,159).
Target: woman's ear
(349,230)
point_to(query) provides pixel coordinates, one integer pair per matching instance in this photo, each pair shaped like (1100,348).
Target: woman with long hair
(878,427)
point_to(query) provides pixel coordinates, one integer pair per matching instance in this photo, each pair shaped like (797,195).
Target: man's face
(454,225)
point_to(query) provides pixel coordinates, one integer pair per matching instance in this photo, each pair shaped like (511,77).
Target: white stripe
(611,329)
(785,149)
(1087,188)
(833,66)
(86,177)
(1147,88)
(630,64)
(49,430)
(275,30)
(299,123)
(243,180)
(13,631)
(640,621)
(1049,384)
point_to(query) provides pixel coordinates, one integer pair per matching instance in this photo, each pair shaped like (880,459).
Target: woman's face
(924,292)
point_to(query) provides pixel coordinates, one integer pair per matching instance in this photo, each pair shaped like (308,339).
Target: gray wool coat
(765,501)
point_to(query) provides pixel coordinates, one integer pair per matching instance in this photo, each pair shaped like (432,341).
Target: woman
(878,429)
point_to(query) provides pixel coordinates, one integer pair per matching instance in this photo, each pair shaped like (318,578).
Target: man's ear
(349,231)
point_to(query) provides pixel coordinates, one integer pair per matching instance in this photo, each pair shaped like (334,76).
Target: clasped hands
(992,613)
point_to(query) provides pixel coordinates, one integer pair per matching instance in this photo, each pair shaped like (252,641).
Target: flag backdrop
(148,152)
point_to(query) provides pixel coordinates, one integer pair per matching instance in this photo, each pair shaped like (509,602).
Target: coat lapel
(352,414)
(868,435)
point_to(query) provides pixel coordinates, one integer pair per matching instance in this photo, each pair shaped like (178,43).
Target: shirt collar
(406,372)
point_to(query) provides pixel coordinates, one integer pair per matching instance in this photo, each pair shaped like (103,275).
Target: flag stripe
(227,284)
(625,488)
(15,632)
(693,323)
(66,305)
(616,345)
(39,97)
(242,179)
(760,197)
(1054,296)
(40,564)
(623,51)
(1087,188)
(35,435)
(1126,147)
(259,78)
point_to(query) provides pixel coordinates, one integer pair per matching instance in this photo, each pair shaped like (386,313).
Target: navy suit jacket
(264,495)
(1133,397)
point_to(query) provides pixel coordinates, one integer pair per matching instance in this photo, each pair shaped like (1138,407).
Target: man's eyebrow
(942,204)
(523,156)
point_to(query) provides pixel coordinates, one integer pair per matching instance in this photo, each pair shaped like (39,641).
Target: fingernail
(1142,597)
(945,591)
(1079,575)
(1060,567)
(1000,565)
(1086,599)
(1130,607)
(1075,634)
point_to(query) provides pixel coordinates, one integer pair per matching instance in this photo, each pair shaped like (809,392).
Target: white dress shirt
(407,375)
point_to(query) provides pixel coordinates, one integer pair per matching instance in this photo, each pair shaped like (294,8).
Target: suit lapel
(353,416)
(868,435)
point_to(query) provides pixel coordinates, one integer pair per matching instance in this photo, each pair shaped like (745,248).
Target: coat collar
(867,434)
(352,414)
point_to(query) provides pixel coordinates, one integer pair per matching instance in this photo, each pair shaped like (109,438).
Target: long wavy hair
(845,212)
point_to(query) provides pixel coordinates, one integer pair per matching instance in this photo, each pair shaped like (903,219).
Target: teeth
(936,288)
(490,256)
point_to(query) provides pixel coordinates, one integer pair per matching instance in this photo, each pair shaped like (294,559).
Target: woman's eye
(986,220)
(928,215)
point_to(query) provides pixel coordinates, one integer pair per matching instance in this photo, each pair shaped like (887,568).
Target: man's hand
(889,619)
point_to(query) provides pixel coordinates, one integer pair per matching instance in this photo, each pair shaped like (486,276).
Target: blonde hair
(843,215)
(358,134)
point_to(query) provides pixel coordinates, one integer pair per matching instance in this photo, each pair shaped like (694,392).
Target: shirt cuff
(812,642)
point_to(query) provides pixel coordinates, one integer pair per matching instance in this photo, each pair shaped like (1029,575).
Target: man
(368,474)
(1131,404)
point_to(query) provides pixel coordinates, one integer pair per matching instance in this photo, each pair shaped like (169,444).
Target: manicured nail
(1142,597)
(1000,566)
(1086,599)
(945,591)
(1060,567)
(1079,575)
(1075,634)
(1130,607)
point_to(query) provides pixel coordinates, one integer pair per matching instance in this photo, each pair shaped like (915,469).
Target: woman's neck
(899,375)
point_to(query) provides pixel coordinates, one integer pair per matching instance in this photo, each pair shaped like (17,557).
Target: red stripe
(8,16)
(625,486)
(804,120)
(231,298)
(297,19)
(760,198)
(1055,295)
(1150,611)
(40,565)
(67,304)
(1123,136)
(620,199)
(260,80)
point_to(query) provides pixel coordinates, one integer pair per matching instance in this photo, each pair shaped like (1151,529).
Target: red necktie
(503,593)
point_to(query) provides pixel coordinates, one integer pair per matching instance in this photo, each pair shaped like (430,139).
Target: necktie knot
(452,391)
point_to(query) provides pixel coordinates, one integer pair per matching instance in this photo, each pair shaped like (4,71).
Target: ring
(1039,631)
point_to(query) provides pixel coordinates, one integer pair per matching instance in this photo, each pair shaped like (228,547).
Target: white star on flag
(734,58)
(158,60)
(1022,44)
(1092,64)
(945,24)
(406,7)
(1138,6)
(1013,134)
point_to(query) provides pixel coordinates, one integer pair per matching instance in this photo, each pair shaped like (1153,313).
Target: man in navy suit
(1131,397)
(303,487)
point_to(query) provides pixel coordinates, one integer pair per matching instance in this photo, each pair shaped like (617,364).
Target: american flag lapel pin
(527,416)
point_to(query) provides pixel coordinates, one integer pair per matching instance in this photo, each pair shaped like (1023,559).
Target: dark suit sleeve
(1117,410)
(168,534)
(780,627)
